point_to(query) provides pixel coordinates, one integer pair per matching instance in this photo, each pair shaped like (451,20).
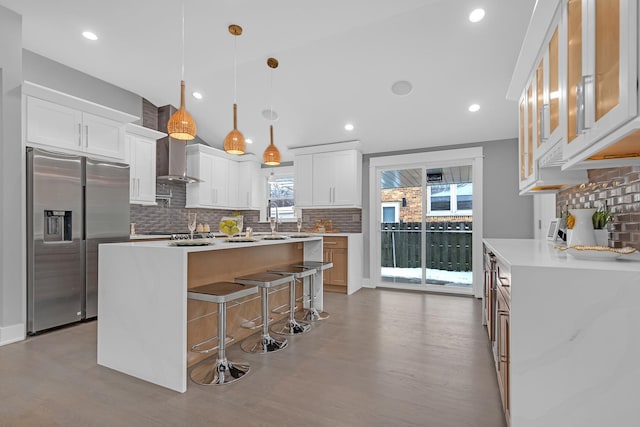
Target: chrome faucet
(273,204)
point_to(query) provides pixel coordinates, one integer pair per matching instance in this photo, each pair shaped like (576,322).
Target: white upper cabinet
(581,59)
(550,125)
(141,149)
(225,183)
(337,179)
(206,164)
(602,76)
(303,171)
(53,125)
(329,179)
(246,186)
(69,124)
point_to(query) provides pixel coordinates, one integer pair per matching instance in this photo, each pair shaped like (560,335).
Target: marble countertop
(149,236)
(215,244)
(541,253)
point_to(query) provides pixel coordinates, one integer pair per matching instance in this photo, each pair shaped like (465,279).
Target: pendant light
(181,125)
(234,143)
(271,155)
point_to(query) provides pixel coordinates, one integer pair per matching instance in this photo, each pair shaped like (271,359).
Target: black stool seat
(263,280)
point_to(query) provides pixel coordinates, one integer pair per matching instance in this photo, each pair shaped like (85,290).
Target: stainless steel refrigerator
(74,203)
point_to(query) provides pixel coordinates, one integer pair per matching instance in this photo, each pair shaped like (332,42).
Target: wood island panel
(217,266)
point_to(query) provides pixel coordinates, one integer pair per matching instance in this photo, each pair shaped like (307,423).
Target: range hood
(171,154)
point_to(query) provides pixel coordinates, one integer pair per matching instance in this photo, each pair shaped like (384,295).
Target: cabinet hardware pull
(330,243)
(79,135)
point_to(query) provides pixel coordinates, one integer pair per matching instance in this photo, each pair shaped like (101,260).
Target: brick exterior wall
(412,212)
(620,188)
(170,216)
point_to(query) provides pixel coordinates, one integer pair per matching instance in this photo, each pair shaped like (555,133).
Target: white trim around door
(432,159)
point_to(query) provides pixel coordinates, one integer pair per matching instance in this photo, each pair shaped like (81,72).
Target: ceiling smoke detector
(270,115)
(401,88)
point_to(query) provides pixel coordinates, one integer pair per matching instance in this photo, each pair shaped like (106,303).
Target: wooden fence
(448,245)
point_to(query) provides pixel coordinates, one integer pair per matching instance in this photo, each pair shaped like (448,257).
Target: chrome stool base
(291,328)
(265,344)
(222,372)
(313,315)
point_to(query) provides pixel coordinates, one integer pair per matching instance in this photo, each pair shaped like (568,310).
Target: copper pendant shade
(235,143)
(181,125)
(271,155)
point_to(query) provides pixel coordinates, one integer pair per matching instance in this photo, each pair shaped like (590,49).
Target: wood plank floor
(383,358)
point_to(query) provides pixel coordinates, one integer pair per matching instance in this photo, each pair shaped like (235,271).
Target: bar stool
(266,343)
(222,371)
(292,326)
(312,314)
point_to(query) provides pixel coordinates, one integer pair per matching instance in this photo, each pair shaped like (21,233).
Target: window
(390,211)
(450,199)
(281,197)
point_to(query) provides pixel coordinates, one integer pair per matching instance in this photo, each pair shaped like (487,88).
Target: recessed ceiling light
(401,88)
(89,35)
(474,107)
(476,15)
(270,115)
(248,141)
(197,95)
(349,126)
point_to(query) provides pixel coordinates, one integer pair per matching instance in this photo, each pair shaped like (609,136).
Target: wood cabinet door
(327,278)
(102,136)
(339,270)
(53,125)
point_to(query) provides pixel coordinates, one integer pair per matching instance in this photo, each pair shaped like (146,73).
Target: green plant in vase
(601,217)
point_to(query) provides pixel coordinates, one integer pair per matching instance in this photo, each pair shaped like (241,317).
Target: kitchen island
(147,325)
(566,344)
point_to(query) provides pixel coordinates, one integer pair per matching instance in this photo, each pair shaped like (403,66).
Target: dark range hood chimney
(171,154)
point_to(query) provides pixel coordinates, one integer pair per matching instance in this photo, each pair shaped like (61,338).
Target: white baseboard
(11,334)
(366,283)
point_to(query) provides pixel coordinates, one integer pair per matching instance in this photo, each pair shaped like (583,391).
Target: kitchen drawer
(332,242)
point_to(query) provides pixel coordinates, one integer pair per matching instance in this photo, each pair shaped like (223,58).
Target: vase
(602,237)
(231,225)
(583,228)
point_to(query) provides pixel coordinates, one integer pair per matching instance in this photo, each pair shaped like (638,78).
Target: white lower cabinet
(141,149)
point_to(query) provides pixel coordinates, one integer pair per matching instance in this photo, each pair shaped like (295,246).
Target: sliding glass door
(426,217)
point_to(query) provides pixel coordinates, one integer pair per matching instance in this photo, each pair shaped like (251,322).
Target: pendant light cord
(271,96)
(235,69)
(182,70)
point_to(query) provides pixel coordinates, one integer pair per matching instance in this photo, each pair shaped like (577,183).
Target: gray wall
(12,250)
(43,71)
(505,213)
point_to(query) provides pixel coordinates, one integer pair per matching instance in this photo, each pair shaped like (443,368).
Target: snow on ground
(438,277)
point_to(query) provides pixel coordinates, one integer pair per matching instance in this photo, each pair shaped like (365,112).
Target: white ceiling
(338,60)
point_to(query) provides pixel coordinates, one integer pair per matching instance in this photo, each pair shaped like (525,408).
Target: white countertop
(541,253)
(149,236)
(216,244)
